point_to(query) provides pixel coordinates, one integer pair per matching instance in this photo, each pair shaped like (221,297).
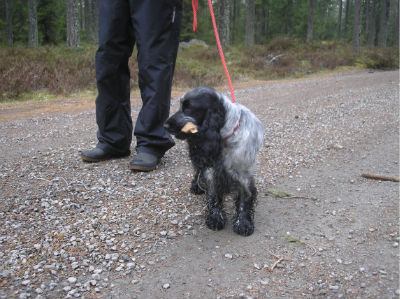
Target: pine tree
(340,4)
(250,22)
(371,34)
(9,25)
(73,39)
(310,25)
(383,26)
(33,40)
(223,21)
(357,26)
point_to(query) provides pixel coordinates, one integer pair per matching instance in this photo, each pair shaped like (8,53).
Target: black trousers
(154,26)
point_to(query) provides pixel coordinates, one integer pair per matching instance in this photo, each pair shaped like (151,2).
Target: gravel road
(70,229)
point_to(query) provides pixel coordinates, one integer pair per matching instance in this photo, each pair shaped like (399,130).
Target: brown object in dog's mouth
(189,127)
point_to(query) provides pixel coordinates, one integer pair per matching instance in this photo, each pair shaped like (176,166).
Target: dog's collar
(234,129)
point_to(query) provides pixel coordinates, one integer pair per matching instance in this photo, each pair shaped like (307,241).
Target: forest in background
(73,22)
(50,44)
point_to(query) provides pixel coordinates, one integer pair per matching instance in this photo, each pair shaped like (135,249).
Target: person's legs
(156,25)
(113,110)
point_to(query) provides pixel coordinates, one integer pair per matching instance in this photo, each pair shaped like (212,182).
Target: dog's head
(200,111)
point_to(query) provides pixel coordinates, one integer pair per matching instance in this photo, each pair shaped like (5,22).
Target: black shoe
(144,161)
(98,155)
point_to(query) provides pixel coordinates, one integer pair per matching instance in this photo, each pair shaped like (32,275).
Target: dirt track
(98,230)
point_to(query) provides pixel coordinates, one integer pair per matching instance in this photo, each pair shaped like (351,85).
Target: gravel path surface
(70,229)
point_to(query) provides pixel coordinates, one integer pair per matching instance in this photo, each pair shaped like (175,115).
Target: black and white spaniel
(223,139)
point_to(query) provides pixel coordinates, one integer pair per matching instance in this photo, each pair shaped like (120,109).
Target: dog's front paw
(195,188)
(215,219)
(243,226)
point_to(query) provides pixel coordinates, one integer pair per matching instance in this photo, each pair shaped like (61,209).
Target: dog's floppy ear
(210,131)
(214,118)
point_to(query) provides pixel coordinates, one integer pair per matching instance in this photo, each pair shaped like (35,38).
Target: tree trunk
(33,40)
(72,23)
(81,9)
(95,20)
(383,26)
(310,25)
(372,25)
(9,23)
(235,17)
(288,16)
(396,26)
(223,22)
(367,17)
(340,19)
(88,20)
(346,20)
(250,22)
(357,26)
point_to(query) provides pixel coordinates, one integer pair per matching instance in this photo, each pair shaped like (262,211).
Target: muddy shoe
(144,162)
(98,155)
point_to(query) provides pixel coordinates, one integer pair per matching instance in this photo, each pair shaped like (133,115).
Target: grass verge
(49,72)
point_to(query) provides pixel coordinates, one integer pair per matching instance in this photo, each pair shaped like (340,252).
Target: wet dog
(223,139)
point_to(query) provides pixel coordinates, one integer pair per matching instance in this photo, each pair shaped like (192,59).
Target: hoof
(215,220)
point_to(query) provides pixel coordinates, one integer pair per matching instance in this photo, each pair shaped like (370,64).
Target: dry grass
(61,71)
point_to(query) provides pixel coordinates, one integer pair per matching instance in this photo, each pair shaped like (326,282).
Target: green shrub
(384,59)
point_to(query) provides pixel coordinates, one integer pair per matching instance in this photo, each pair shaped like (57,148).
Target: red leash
(221,53)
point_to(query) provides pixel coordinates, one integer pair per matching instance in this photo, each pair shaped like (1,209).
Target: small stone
(166,286)
(5,273)
(334,288)
(96,276)
(397,292)
(98,271)
(67,288)
(39,291)
(362,269)
(93,282)
(382,272)
(395,244)
(363,285)
(257,266)
(228,255)
(72,279)
(171,234)
(25,282)
(264,282)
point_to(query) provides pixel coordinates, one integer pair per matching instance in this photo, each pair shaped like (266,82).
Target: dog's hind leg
(245,201)
(215,217)
(196,187)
